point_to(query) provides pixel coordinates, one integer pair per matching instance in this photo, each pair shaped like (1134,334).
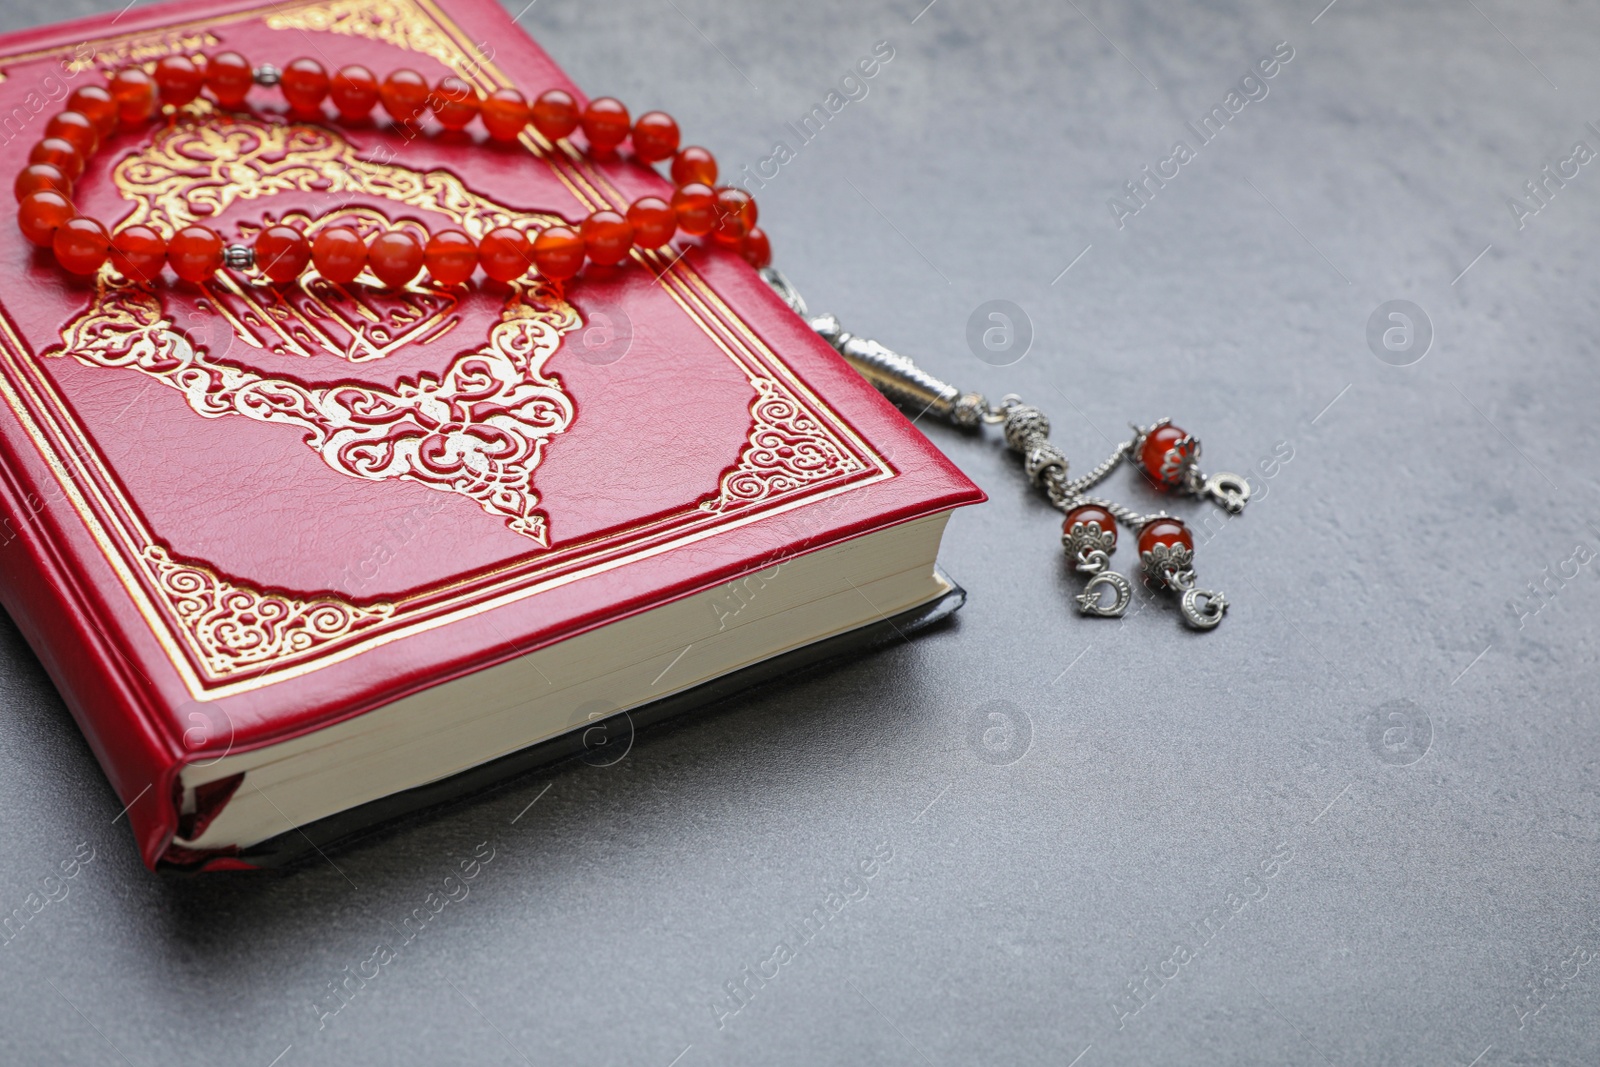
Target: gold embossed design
(787,450)
(377,20)
(140,50)
(201,166)
(238,627)
(478,429)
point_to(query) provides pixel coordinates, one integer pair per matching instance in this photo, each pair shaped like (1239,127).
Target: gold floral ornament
(788,449)
(390,21)
(477,430)
(238,627)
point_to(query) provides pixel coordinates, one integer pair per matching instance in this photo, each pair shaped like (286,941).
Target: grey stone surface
(1382,891)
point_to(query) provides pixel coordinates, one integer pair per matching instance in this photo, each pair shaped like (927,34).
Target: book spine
(49,599)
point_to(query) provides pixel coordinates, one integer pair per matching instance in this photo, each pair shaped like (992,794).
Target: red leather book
(244,523)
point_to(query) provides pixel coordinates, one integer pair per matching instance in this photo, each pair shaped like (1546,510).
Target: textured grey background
(1439,909)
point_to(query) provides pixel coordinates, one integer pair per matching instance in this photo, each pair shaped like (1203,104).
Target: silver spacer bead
(1041,458)
(1024,423)
(239,257)
(969,410)
(268,75)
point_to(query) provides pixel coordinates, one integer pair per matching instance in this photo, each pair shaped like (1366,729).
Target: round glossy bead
(506,253)
(694,164)
(395,257)
(696,205)
(555,114)
(451,257)
(179,79)
(36,176)
(653,220)
(77,130)
(195,253)
(282,252)
(756,249)
(505,114)
(1087,513)
(607,238)
(98,104)
(41,214)
(404,94)
(736,216)
(1153,456)
(1165,532)
(135,93)
(655,136)
(230,78)
(558,253)
(81,245)
(59,154)
(138,253)
(605,124)
(305,85)
(339,254)
(354,90)
(454,102)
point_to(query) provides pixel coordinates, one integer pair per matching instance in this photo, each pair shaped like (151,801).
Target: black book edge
(344,828)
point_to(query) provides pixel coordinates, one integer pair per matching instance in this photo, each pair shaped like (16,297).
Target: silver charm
(1171,566)
(1090,548)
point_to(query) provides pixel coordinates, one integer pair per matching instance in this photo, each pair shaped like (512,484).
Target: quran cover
(302,557)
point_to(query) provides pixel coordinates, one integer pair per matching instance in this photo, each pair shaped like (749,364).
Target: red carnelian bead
(696,205)
(653,220)
(694,164)
(76,130)
(1086,513)
(230,78)
(98,104)
(655,136)
(339,254)
(555,114)
(404,95)
(195,253)
(41,214)
(59,154)
(605,123)
(1153,456)
(506,253)
(756,249)
(558,253)
(736,216)
(138,253)
(354,90)
(451,257)
(179,78)
(395,257)
(1165,532)
(454,102)
(305,84)
(36,176)
(282,252)
(607,238)
(81,245)
(505,114)
(135,93)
